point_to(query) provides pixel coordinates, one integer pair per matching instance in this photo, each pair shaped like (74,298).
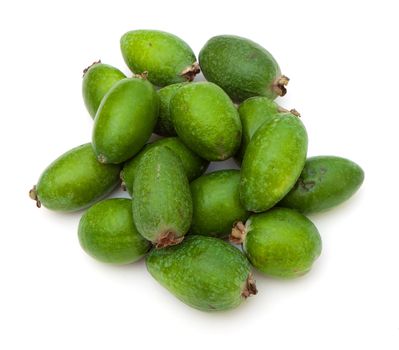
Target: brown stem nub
(143,75)
(238,233)
(87,68)
(279,85)
(295,112)
(190,72)
(33,195)
(167,239)
(292,111)
(250,287)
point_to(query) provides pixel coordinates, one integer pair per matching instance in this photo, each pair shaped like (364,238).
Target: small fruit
(272,162)
(125,120)
(203,272)
(280,242)
(162,205)
(97,81)
(107,233)
(166,58)
(216,203)
(325,182)
(206,120)
(242,68)
(75,180)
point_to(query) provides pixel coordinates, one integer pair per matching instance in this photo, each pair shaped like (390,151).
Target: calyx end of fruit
(190,72)
(143,75)
(93,64)
(33,195)
(238,233)
(167,239)
(250,287)
(279,85)
(101,158)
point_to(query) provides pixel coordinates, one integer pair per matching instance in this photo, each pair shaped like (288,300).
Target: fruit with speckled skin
(216,203)
(75,180)
(242,68)
(203,272)
(166,58)
(125,120)
(325,182)
(206,120)
(107,233)
(97,81)
(272,162)
(162,205)
(193,165)
(281,242)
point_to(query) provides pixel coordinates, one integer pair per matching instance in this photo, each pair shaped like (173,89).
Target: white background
(342,58)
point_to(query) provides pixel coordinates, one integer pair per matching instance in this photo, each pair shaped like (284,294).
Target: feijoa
(107,233)
(204,272)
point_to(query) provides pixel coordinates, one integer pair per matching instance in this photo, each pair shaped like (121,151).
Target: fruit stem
(292,111)
(33,195)
(190,72)
(143,75)
(250,287)
(167,239)
(87,68)
(238,233)
(279,85)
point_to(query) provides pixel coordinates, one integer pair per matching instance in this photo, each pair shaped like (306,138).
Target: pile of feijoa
(179,218)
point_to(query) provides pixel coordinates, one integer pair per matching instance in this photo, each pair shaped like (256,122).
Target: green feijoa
(162,205)
(253,113)
(273,161)
(203,272)
(193,165)
(216,203)
(97,81)
(165,57)
(325,182)
(242,68)
(125,120)
(280,243)
(75,180)
(206,120)
(164,125)
(107,233)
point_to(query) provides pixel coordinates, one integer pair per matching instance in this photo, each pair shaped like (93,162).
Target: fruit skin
(97,81)
(125,120)
(193,165)
(272,162)
(281,243)
(166,57)
(164,125)
(75,180)
(241,67)
(206,120)
(216,203)
(325,182)
(162,205)
(203,272)
(107,233)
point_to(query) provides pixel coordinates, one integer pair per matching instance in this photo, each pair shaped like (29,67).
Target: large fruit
(107,233)
(75,180)
(203,272)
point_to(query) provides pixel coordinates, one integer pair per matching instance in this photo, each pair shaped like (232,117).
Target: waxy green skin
(193,165)
(216,203)
(325,182)
(162,201)
(272,162)
(107,233)
(125,120)
(241,67)
(97,81)
(164,125)
(206,120)
(76,180)
(281,243)
(163,55)
(204,272)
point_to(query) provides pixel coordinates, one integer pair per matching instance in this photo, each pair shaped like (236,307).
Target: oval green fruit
(75,180)
(203,272)
(325,182)
(206,120)
(272,162)
(107,233)
(280,243)
(166,58)
(125,120)
(216,203)
(162,205)
(97,81)
(242,68)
